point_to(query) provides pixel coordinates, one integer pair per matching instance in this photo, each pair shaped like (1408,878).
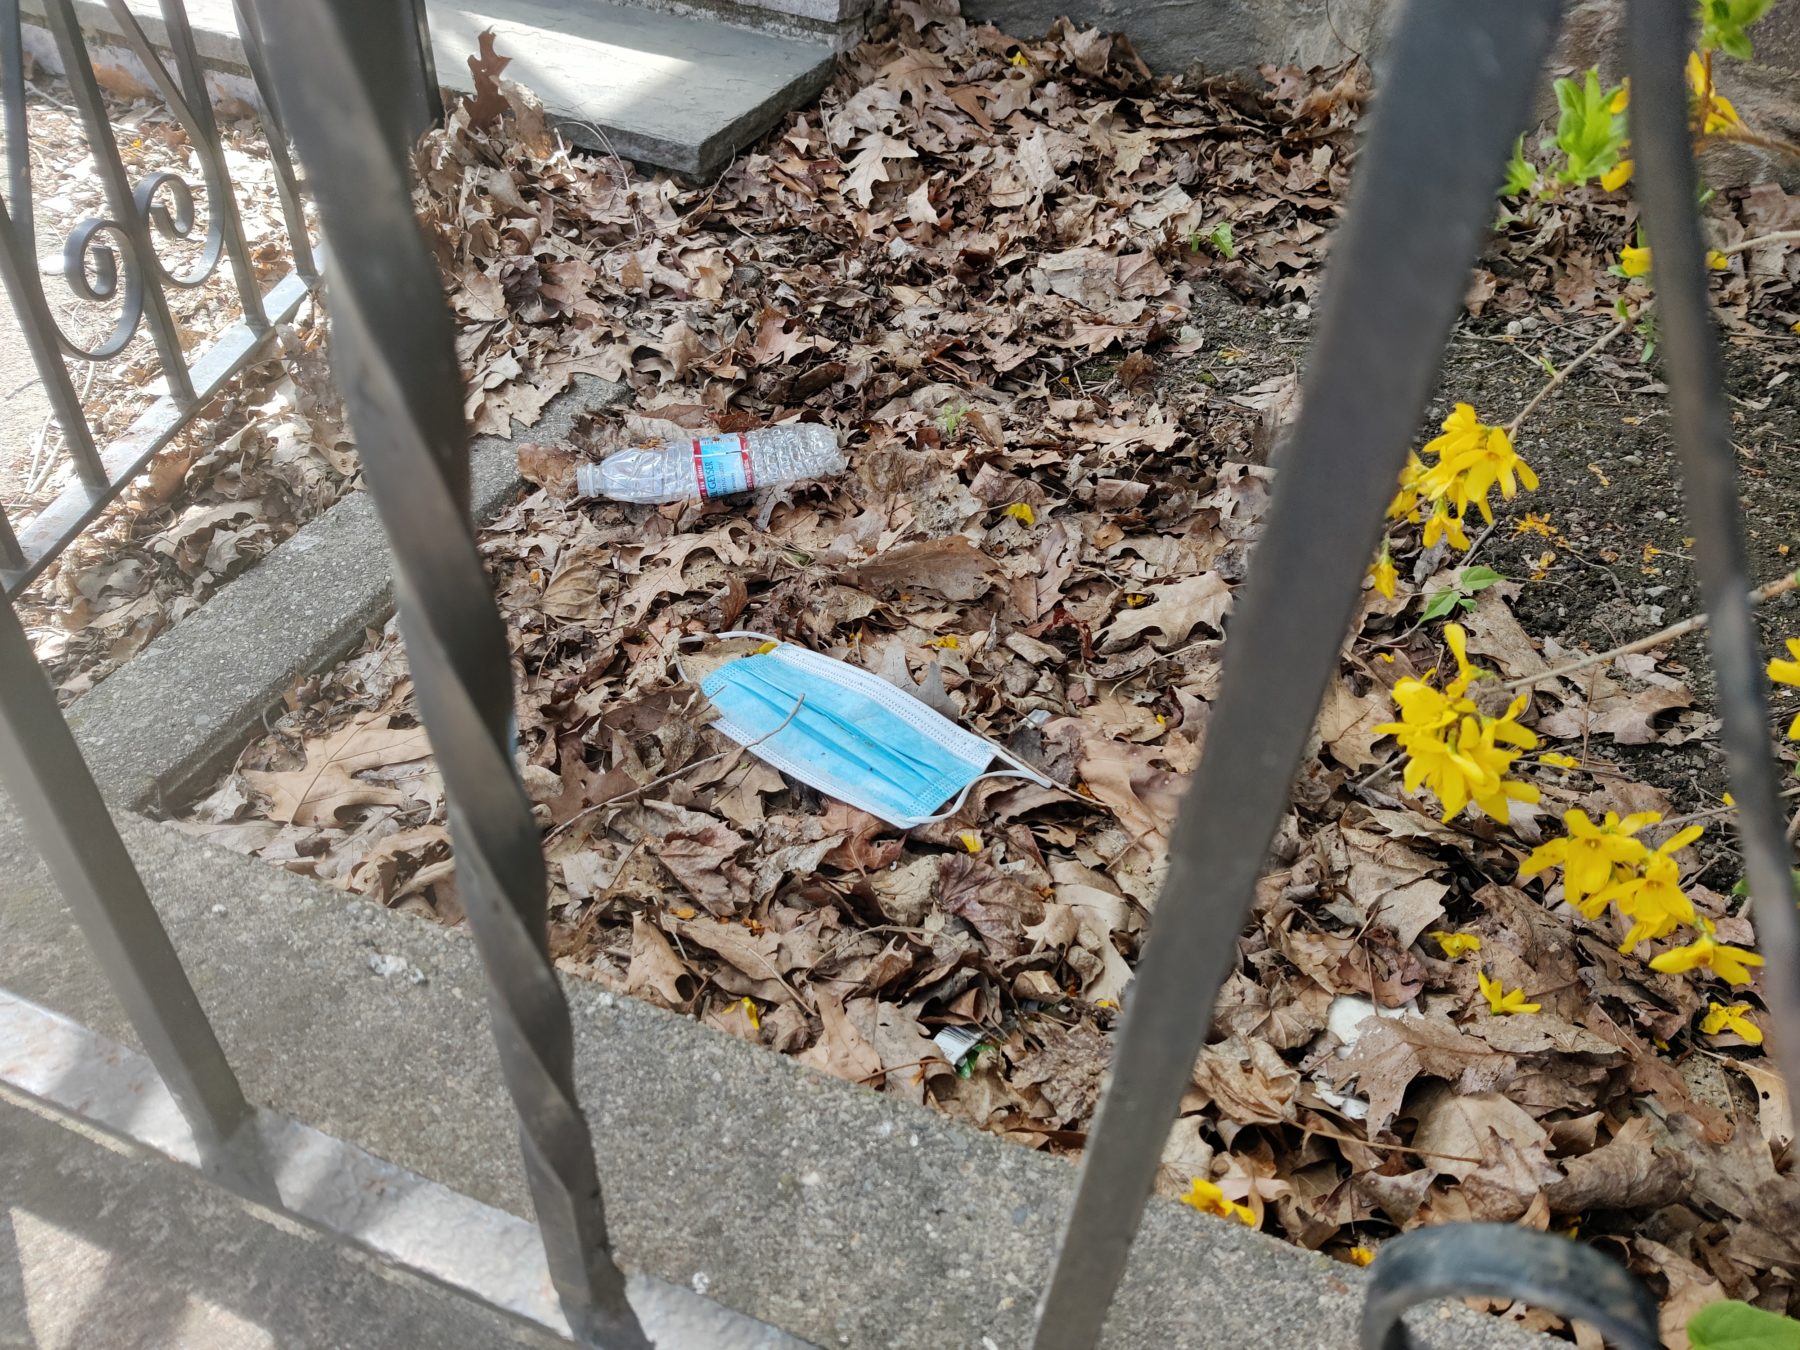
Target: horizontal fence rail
(113,259)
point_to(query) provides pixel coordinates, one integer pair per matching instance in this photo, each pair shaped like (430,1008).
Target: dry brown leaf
(702,861)
(1247,1081)
(655,968)
(314,795)
(951,567)
(841,1050)
(1626,1172)
(997,906)
(1454,1129)
(487,102)
(1347,723)
(1174,611)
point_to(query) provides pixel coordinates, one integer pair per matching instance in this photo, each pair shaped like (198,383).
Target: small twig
(1778,237)
(1598,345)
(1475,547)
(1744,136)
(1713,813)
(674,774)
(1644,644)
(1376,772)
(882,1073)
(1389,1148)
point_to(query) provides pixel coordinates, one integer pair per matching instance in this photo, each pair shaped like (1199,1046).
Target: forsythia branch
(1657,639)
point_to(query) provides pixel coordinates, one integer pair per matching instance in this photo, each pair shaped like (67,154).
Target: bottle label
(722,465)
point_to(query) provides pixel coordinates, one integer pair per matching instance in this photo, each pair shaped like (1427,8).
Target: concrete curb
(177,713)
(841,1215)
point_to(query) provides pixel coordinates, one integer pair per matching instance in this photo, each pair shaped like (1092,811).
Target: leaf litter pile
(985,262)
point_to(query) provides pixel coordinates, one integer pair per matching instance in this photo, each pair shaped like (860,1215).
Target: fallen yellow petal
(1021,511)
(1456,945)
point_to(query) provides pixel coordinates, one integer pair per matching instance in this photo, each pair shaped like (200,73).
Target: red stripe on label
(699,468)
(749,470)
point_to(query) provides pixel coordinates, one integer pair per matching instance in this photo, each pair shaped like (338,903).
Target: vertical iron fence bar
(393,353)
(287,189)
(18,141)
(434,95)
(43,772)
(19,275)
(191,105)
(1667,188)
(11,556)
(138,250)
(1458,88)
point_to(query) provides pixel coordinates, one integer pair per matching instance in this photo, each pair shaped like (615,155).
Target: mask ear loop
(969,787)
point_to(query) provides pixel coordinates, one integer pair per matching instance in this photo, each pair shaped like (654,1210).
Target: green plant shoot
(1589,132)
(1442,604)
(1722,25)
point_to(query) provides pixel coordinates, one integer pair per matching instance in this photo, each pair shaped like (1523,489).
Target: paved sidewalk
(101,1250)
(847,1217)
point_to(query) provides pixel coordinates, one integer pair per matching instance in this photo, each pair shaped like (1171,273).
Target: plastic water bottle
(714,466)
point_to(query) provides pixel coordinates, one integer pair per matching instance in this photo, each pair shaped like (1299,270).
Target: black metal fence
(1459,84)
(116,258)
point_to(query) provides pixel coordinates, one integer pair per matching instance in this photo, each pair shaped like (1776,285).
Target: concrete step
(679,91)
(675,84)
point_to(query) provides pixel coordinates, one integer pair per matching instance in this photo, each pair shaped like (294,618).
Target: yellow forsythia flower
(750,1014)
(1788,672)
(1209,1199)
(1653,900)
(1719,114)
(1634,262)
(1721,1017)
(1559,760)
(1361,1256)
(948,642)
(1456,945)
(1472,458)
(1589,853)
(1406,500)
(970,841)
(1617,176)
(1728,963)
(1022,512)
(1501,1001)
(1383,573)
(1716,260)
(1440,524)
(1455,750)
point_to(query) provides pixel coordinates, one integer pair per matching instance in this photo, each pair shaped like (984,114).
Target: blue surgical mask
(852,735)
